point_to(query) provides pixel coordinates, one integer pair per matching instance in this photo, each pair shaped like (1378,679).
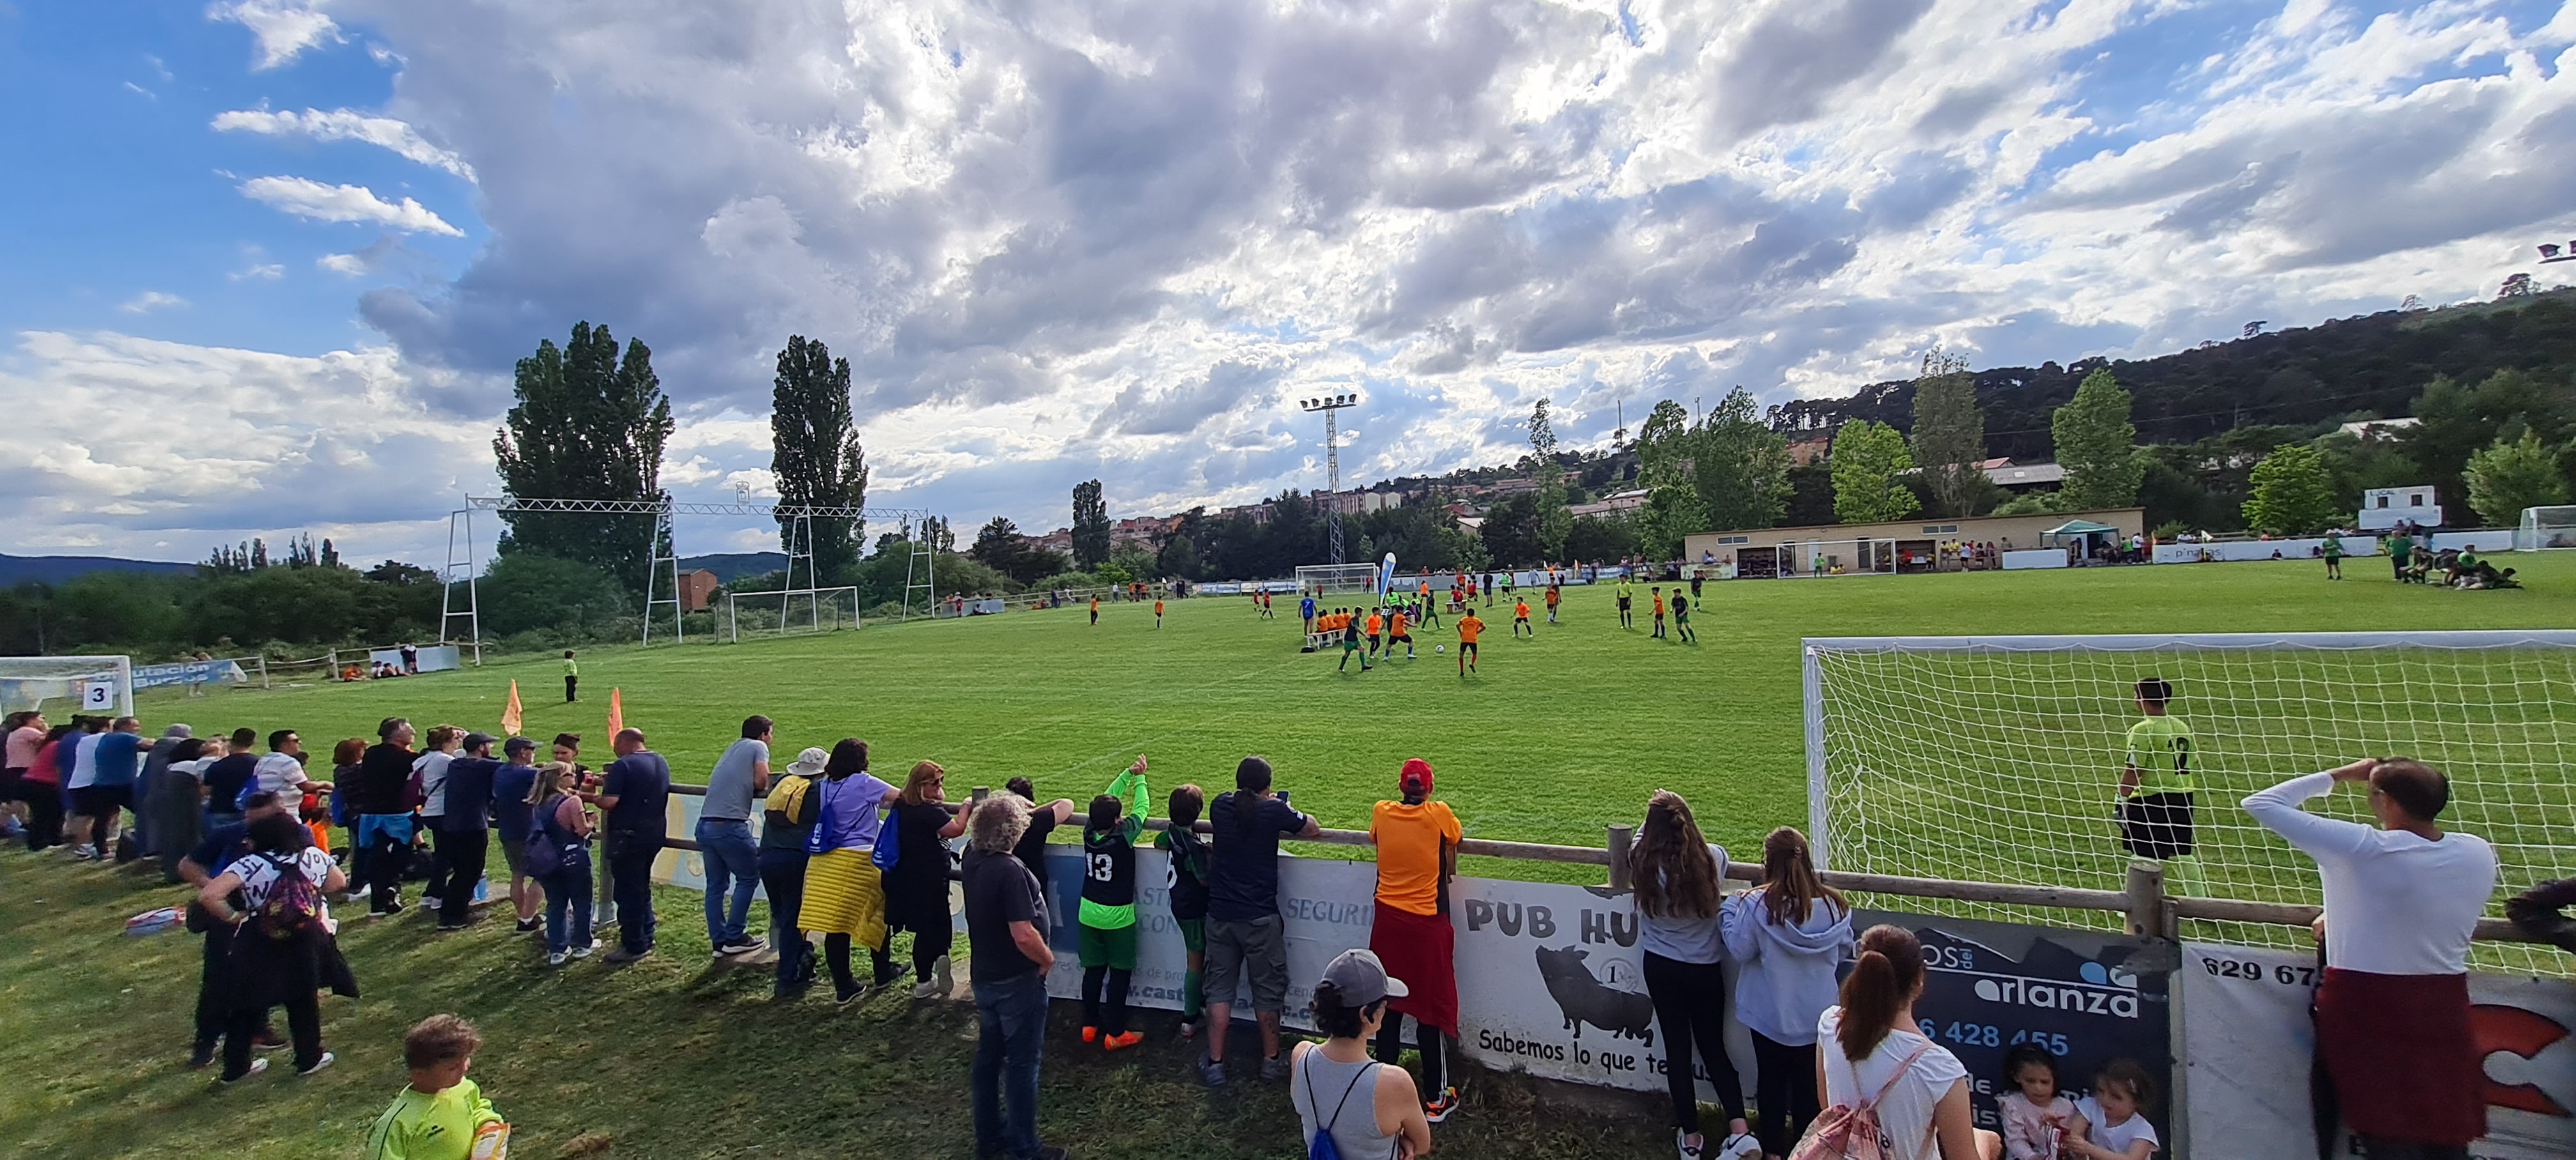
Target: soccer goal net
(1333,579)
(92,686)
(2545,527)
(791,612)
(1998,759)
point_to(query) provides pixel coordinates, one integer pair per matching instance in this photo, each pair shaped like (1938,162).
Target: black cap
(516,745)
(474,741)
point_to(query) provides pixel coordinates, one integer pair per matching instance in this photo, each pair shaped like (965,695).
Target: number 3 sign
(97,696)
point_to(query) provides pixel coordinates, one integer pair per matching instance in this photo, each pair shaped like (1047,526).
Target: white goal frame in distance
(2078,714)
(2543,528)
(1344,578)
(816,600)
(118,671)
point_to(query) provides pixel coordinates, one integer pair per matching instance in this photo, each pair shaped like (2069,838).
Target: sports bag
(1323,1147)
(293,908)
(547,849)
(1844,1132)
(889,850)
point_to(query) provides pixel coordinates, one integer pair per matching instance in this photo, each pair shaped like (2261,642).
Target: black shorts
(1466,648)
(1400,638)
(2157,825)
(1520,620)
(1372,640)
(99,801)
(1623,604)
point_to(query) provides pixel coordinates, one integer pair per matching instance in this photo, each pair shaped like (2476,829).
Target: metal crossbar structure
(463,564)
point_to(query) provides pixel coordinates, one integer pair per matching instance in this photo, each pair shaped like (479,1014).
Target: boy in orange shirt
(1095,610)
(1468,627)
(1520,617)
(1158,612)
(1376,624)
(1658,593)
(1396,634)
(1417,854)
(1553,595)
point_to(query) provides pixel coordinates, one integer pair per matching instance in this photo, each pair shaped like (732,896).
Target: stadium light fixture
(1330,404)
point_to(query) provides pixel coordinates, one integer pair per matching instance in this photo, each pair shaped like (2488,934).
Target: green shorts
(1193,933)
(1115,949)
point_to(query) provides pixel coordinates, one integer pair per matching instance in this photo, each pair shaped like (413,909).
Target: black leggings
(44,815)
(1426,1040)
(836,951)
(1787,1091)
(1097,982)
(928,947)
(1690,1008)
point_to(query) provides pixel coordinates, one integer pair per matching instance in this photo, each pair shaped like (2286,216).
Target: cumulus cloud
(338,444)
(345,125)
(282,28)
(258,272)
(149,301)
(307,198)
(1059,241)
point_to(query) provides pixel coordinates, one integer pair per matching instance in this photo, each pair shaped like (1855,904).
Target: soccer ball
(1440,648)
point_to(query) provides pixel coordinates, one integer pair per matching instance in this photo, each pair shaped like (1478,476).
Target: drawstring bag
(819,839)
(1845,1132)
(1322,1146)
(889,849)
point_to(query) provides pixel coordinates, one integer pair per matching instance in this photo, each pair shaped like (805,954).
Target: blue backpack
(1323,1147)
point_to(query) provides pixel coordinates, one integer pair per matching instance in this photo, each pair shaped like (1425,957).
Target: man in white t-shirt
(2402,900)
(431,770)
(281,770)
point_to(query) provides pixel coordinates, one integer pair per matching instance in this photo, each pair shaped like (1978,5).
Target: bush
(527,592)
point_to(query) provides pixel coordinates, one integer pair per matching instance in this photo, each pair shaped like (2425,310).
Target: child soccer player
(1695,579)
(1095,609)
(1681,618)
(2156,789)
(1306,611)
(2333,552)
(1468,627)
(1350,642)
(2111,1123)
(1554,594)
(1520,618)
(1108,912)
(1158,612)
(572,678)
(1376,626)
(1398,632)
(1192,864)
(1627,619)
(442,1115)
(1430,607)
(1658,593)
(2035,1117)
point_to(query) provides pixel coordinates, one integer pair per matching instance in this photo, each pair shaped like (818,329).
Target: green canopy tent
(2084,537)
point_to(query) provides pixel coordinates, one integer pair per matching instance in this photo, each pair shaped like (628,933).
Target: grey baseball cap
(518,745)
(1362,979)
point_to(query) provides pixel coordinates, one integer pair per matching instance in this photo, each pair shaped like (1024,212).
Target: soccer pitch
(1554,739)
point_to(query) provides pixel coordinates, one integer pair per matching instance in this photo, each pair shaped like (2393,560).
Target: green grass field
(1555,739)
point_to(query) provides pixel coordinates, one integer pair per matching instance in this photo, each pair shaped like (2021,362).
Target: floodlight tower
(1329,404)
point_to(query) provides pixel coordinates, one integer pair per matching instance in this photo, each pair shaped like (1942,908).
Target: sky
(269,263)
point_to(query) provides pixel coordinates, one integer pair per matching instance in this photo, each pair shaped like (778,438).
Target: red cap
(1416,777)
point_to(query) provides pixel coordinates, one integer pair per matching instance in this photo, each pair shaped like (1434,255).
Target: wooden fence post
(1619,838)
(2147,911)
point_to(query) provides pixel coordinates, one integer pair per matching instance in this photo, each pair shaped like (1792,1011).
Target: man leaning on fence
(2402,899)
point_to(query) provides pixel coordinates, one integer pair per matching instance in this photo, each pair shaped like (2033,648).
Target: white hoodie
(1787,972)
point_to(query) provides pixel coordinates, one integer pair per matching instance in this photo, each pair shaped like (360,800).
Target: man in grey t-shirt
(741,778)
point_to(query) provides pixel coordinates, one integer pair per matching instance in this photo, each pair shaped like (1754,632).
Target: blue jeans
(568,897)
(1011,1017)
(725,844)
(630,876)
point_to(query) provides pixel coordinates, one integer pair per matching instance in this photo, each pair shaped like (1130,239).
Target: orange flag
(510,716)
(616,713)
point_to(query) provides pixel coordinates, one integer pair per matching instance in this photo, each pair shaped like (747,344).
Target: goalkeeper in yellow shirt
(2156,788)
(442,1115)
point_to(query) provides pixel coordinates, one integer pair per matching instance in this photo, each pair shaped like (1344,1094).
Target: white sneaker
(928,989)
(1738,1147)
(940,974)
(85,852)
(327,1060)
(1682,1146)
(556,958)
(584,952)
(256,1066)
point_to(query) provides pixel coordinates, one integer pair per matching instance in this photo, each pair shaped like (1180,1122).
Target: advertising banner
(2249,1047)
(189,673)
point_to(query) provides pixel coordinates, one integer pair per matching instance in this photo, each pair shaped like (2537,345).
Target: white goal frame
(74,673)
(1338,578)
(2544,528)
(1861,779)
(816,601)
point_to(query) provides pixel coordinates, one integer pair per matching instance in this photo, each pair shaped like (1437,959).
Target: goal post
(92,685)
(2543,528)
(1338,579)
(793,611)
(1998,758)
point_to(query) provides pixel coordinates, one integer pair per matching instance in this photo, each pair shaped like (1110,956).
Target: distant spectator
(787,821)
(208,858)
(278,954)
(1872,1048)
(844,894)
(281,770)
(441,1115)
(429,775)
(634,803)
(1043,819)
(1351,1004)
(1008,960)
(916,890)
(556,818)
(176,807)
(572,678)
(42,789)
(741,777)
(1678,876)
(1245,938)
(156,763)
(1417,855)
(228,777)
(26,735)
(112,760)
(511,785)
(383,800)
(465,829)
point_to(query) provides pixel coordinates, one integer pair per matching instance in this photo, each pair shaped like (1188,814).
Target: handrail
(1997,893)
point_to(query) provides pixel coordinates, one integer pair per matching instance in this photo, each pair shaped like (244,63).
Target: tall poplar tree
(1555,522)
(815,454)
(588,425)
(2097,445)
(1950,435)
(1090,526)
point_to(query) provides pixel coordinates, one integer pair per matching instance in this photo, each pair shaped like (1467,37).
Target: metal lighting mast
(1332,460)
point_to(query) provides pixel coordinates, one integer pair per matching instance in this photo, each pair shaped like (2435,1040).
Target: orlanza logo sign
(2109,998)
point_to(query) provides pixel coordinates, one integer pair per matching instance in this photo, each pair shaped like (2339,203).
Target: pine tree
(588,425)
(1090,526)
(2097,445)
(815,455)
(1867,459)
(1950,435)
